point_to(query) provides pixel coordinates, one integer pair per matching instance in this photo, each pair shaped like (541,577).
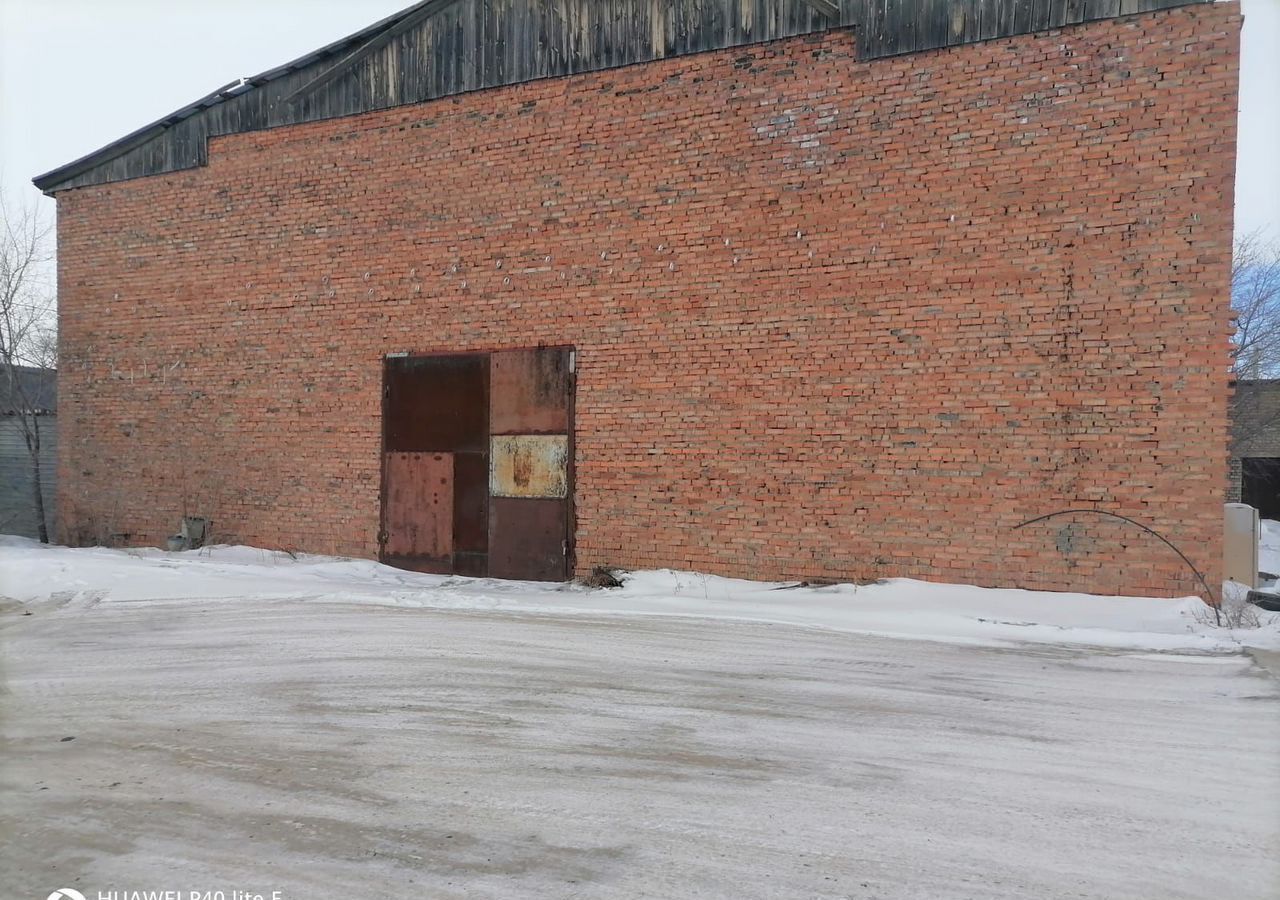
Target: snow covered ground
(39,575)
(240,720)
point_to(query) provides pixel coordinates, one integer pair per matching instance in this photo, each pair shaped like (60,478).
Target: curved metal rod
(1214,602)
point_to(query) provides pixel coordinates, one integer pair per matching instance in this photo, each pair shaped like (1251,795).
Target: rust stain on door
(418,511)
(437,403)
(528,539)
(529,391)
(529,465)
(470,514)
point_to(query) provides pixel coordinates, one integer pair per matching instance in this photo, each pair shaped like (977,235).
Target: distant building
(774,289)
(1254,476)
(17,478)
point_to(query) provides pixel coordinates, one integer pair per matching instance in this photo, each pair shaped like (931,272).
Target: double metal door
(477,475)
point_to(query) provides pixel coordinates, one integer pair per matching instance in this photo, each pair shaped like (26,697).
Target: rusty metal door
(419,510)
(530,471)
(477,463)
(436,463)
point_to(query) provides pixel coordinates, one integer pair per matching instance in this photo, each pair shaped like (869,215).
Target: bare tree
(27,328)
(1255,299)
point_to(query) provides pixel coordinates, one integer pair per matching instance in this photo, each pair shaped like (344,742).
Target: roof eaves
(50,181)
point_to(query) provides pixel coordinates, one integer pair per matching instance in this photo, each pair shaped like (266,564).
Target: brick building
(773,288)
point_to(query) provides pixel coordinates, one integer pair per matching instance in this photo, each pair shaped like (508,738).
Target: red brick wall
(833,318)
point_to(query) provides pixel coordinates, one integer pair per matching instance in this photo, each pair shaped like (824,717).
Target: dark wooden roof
(441,47)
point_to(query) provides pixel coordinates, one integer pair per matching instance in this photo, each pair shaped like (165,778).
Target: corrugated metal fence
(17,509)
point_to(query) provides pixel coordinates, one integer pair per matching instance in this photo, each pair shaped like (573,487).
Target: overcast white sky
(77,74)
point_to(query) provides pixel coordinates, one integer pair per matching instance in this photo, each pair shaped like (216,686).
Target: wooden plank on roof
(443,47)
(827,8)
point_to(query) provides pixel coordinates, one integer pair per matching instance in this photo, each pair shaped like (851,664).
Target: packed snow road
(325,750)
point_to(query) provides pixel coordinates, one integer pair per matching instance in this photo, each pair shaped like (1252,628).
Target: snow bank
(43,577)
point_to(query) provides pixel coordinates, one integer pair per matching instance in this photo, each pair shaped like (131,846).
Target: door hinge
(573,361)
(382,538)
